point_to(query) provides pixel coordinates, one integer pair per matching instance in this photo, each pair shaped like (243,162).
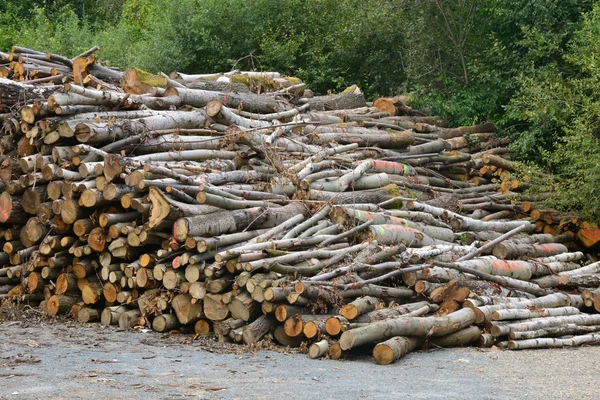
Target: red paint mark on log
(5,209)
(589,237)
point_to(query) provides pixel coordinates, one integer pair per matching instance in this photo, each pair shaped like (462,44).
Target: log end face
(347,340)
(53,304)
(383,354)
(213,108)
(159,324)
(310,330)
(248,336)
(349,311)
(6,206)
(180,229)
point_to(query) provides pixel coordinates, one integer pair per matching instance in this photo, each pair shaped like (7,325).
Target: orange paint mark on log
(389,167)
(549,249)
(398,221)
(364,215)
(589,237)
(506,266)
(5,209)
(421,327)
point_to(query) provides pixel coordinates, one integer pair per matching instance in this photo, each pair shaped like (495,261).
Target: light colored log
(435,326)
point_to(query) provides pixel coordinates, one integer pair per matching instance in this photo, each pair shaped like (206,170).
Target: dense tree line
(531,66)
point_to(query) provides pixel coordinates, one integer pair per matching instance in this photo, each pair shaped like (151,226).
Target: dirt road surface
(40,360)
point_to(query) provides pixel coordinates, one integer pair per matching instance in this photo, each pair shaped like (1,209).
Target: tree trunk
(214,307)
(95,132)
(60,304)
(392,140)
(165,323)
(395,348)
(516,313)
(318,349)
(244,307)
(350,98)
(12,93)
(359,307)
(186,311)
(435,326)
(553,342)
(511,250)
(246,101)
(256,330)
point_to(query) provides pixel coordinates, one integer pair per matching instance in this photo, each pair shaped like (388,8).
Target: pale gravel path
(60,361)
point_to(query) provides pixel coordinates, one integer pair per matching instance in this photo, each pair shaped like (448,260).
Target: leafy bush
(563,113)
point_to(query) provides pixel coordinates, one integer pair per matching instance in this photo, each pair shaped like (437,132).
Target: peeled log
(407,326)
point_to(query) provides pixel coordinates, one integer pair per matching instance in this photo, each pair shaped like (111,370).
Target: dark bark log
(256,330)
(14,93)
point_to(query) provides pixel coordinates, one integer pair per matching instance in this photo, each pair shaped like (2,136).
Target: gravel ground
(40,360)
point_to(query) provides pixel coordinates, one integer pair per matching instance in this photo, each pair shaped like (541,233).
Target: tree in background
(561,100)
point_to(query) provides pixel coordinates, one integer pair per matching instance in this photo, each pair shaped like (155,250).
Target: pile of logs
(242,205)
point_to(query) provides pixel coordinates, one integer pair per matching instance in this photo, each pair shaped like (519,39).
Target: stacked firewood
(240,204)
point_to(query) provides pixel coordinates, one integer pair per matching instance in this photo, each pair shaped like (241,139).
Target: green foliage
(9,23)
(330,44)
(563,115)
(61,34)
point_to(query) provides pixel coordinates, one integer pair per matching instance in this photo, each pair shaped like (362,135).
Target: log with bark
(182,203)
